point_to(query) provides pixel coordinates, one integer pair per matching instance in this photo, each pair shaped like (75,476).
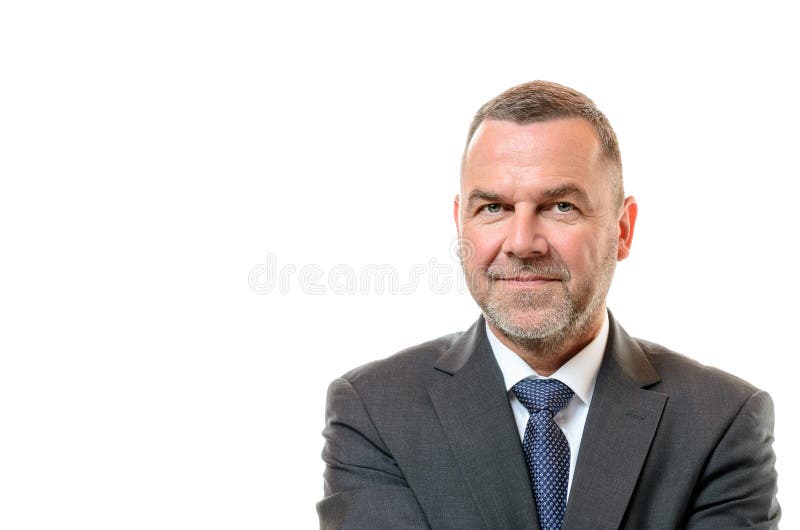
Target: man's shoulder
(409,363)
(399,382)
(684,378)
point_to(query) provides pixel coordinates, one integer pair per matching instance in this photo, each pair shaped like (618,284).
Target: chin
(529,325)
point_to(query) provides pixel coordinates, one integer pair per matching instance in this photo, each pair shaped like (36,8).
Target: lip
(526,282)
(524,278)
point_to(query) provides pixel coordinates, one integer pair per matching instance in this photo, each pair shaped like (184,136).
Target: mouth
(525,282)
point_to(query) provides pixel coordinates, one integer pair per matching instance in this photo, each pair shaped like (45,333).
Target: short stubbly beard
(550,321)
(551,329)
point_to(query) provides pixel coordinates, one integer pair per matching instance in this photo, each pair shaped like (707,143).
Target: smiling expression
(540,227)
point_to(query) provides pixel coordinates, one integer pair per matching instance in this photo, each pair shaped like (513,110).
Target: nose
(525,237)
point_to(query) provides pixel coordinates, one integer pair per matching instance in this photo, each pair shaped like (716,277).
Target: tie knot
(539,394)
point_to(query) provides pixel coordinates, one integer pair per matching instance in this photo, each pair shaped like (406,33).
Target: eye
(564,207)
(493,207)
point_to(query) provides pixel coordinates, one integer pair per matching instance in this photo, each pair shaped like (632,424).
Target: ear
(456,203)
(627,221)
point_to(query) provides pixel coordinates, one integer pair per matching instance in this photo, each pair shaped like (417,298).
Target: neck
(547,354)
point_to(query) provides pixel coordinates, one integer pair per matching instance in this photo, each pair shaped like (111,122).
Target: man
(545,413)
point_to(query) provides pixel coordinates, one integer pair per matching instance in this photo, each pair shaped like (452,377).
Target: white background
(154,153)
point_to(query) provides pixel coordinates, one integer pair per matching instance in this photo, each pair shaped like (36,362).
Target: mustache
(549,270)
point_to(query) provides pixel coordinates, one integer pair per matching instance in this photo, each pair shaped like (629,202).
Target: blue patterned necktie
(546,449)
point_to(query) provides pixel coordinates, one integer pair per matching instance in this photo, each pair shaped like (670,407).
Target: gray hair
(539,101)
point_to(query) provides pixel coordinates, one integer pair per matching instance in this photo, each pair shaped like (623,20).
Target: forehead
(523,153)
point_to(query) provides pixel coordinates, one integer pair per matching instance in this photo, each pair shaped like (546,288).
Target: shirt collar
(579,373)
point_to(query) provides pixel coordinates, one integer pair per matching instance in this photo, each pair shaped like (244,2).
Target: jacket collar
(471,401)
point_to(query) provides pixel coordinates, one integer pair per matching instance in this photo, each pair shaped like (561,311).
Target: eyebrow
(552,193)
(481,195)
(563,191)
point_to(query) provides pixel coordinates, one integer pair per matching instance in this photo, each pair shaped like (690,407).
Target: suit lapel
(619,429)
(470,399)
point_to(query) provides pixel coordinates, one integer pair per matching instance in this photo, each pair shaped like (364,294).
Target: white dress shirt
(579,373)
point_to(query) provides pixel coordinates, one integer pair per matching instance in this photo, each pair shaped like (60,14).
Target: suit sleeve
(738,485)
(364,487)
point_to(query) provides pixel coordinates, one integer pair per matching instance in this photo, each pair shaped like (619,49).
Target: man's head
(541,215)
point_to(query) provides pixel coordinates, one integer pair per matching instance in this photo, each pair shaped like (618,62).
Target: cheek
(480,247)
(580,252)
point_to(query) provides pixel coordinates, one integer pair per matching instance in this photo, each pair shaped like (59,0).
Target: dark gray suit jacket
(427,439)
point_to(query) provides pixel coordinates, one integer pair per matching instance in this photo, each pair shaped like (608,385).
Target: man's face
(541,231)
